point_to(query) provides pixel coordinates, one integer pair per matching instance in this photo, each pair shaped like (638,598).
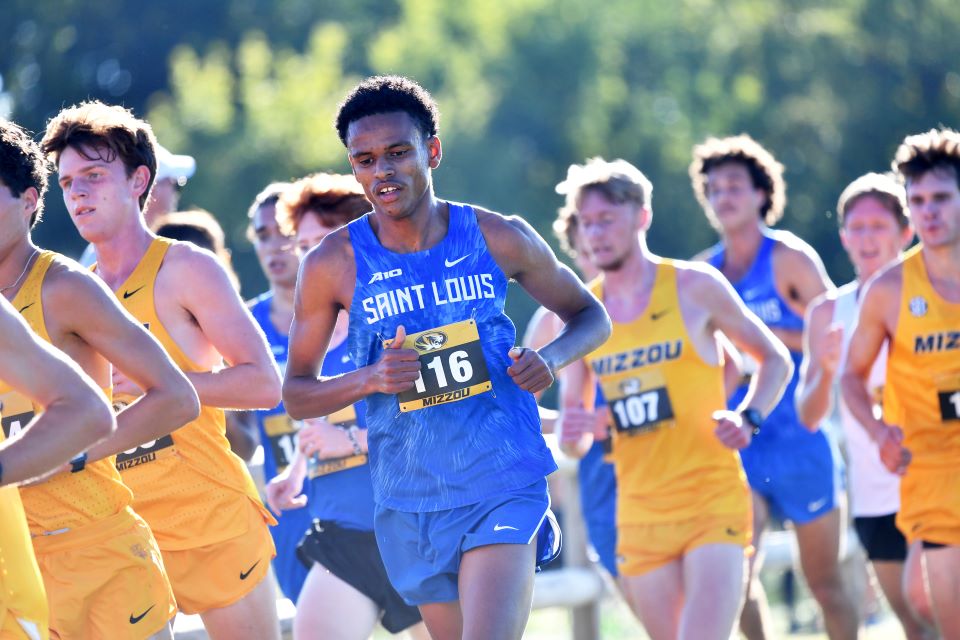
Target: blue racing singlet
(279,440)
(759,292)
(466,431)
(341,490)
(278,432)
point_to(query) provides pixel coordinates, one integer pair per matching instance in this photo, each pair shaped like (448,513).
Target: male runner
(273,311)
(792,472)
(75,415)
(194,492)
(94,552)
(595,474)
(456,454)
(874,228)
(347,591)
(683,512)
(914,306)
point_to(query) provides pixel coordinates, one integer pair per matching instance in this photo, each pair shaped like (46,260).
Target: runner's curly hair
(387,94)
(22,165)
(765,172)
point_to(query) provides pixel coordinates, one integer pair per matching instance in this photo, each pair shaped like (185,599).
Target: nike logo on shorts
(659,314)
(127,294)
(450,263)
(816,504)
(246,574)
(501,527)
(135,619)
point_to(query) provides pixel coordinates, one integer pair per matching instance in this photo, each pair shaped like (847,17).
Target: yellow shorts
(105,581)
(642,548)
(220,574)
(930,506)
(12,629)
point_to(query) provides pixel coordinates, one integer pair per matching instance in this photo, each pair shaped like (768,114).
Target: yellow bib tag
(638,401)
(452,366)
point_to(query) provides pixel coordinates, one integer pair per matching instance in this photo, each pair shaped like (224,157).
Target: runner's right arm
(324,287)
(75,413)
(880,297)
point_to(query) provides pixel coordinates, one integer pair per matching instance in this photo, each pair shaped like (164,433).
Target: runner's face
(99,195)
(609,231)
(733,198)
(15,213)
(871,235)
(392,160)
(275,251)
(311,231)
(934,201)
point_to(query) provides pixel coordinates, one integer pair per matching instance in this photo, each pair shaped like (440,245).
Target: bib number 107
(642,411)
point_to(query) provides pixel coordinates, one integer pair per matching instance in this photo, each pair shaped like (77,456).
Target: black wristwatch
(78,463)
(753,418)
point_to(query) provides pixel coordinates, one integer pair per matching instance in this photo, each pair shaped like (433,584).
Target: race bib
(282,436)
(452,366)
(948,395)
(145,453)
(344,418)
(639,402)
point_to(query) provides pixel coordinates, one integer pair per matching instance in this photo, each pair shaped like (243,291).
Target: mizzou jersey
(23,602)
(189,486)
(922,397)
(66,501)
(661,395)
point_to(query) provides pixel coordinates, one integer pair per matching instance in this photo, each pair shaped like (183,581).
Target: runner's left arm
(524,256)
(729,315)
(801,277)
(250,379)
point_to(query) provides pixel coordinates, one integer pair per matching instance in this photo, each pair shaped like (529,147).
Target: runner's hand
(284,494)
(731,430)
(319,437)
(893,454)
(529,371)
(397,369)
(576,422)
(827,349)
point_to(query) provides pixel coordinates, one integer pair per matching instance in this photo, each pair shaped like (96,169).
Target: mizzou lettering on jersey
(934,342)
(640,357)
(147,452)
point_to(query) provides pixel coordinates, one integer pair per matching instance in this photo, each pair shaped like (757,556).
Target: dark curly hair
(22,164)
(765,172)
(934,150)
(110,132)
(386,94)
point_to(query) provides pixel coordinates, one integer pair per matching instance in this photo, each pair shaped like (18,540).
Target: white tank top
(874,491)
